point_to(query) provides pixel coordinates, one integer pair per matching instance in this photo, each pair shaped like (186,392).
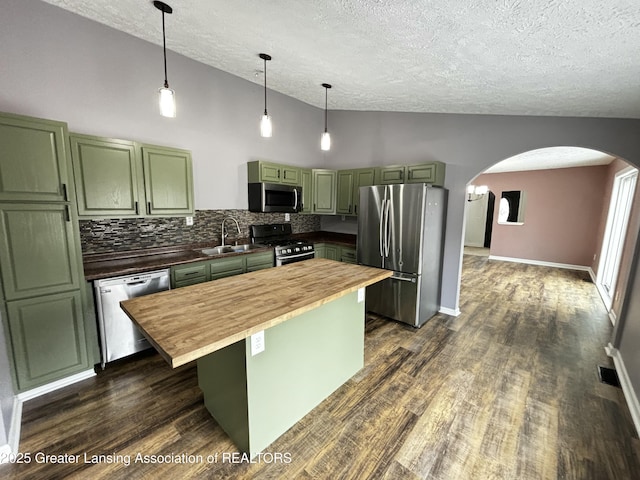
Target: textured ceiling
(553,157)
(514,57)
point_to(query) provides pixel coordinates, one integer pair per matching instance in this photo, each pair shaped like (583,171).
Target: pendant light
(167,95)
(266,128)
(325,139)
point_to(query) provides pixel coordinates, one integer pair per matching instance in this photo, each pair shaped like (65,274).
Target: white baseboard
(50,387)
(450,311)
(16,424)
(566,266)
(627,387)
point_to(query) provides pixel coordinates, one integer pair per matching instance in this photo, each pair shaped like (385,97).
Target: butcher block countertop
(190,322)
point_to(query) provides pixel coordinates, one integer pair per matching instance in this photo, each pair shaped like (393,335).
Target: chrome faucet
(225,233)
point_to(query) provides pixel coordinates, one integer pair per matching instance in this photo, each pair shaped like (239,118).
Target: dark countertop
(105,265)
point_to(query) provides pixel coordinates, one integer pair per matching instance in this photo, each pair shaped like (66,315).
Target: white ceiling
(552,157)
(514,57)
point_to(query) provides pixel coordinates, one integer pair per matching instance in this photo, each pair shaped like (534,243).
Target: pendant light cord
(326,90)
(265,85)
(164,50)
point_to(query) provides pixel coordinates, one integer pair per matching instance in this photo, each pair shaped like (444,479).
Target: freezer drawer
(395,297)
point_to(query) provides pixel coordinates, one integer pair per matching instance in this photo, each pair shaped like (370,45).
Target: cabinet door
(258,261)
(269,172)
(38,250)
(226,267)
(344,203)
(426,173)
(107,175)
(331,252)
(421,173)
(33,159)
(348,255)
(48,338)
(320,250)
(168,181)
(306,180)
(362,177)
(290,175)
(324,191)
(389,175)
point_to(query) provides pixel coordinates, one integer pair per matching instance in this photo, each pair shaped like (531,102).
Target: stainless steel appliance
(119,337)
(401,228)
(274,197)
(287,249)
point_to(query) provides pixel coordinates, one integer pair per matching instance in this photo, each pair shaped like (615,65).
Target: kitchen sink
(218,250)
(221,250)
(246,247)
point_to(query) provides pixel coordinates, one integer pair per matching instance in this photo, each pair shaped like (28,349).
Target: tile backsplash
(120,234)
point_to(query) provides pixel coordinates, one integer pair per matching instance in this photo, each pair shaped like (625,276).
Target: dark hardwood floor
(507,390)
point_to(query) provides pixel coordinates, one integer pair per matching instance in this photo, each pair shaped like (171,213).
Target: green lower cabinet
(204,271)
(227,267)
(259,261)
(335,252)
(348,255)
(48,338)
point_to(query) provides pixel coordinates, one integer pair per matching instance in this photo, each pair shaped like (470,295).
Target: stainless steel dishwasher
(119,337)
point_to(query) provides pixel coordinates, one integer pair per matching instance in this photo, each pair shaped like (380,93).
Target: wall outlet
(287,217)
(257,343)
(189,221)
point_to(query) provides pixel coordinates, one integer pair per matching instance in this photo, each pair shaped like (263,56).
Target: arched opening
(553,207)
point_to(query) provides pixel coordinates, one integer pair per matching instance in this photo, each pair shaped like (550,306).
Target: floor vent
(609,376)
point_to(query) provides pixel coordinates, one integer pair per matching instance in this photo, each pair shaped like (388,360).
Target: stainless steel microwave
(274,197)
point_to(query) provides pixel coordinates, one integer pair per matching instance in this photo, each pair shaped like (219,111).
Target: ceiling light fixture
(325,139)
(167,95)
(266,128)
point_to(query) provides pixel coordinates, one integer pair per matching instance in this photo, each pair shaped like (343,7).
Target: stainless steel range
(287,249)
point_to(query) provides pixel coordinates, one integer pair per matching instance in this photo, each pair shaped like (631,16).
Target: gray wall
(60,66)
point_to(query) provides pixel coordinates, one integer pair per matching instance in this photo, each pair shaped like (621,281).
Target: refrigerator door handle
(387,232)
(384,200)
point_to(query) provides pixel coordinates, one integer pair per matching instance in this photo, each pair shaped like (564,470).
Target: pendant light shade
(167,96)
(325,139)
(266,127)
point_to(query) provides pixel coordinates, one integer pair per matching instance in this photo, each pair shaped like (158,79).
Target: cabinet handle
(349,208)
(190,273)
(410,174)
(136,207)
(149,208)
(278,173)
(67,213)
(64,192)
(314,207)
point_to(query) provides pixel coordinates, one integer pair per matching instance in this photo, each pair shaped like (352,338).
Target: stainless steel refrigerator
(401,228)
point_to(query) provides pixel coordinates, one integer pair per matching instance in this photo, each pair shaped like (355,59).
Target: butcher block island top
(188,323)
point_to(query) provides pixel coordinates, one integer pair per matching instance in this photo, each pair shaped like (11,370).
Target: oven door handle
(305,254)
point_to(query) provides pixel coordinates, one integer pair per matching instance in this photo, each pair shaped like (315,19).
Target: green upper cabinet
(306,180)
(267,172)
(324,191)
(168,181)
(33,161)
(349,183)
(432,172)
(120,178)
(108,176)
(344,202)
(38,249)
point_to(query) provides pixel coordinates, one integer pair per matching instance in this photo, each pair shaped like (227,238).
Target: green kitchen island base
(256,398)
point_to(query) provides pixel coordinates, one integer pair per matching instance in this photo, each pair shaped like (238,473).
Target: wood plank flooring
(507,390)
